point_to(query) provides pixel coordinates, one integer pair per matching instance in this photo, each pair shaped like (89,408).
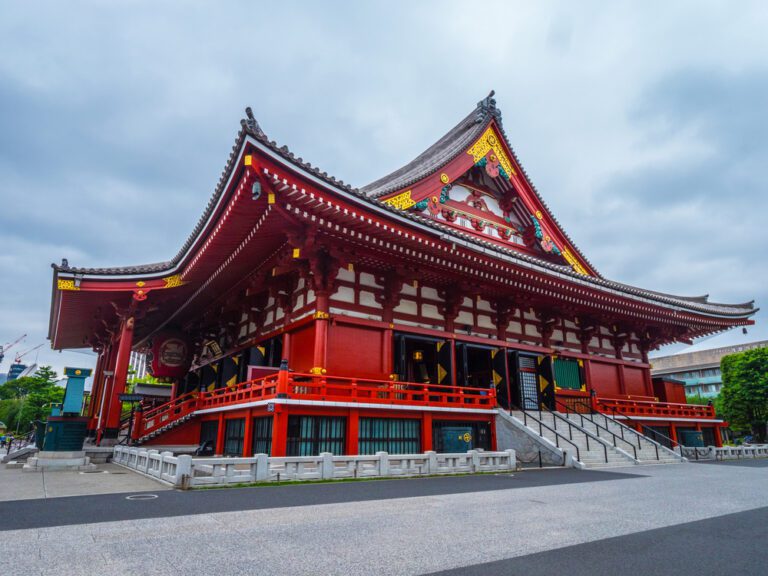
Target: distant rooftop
(701,358)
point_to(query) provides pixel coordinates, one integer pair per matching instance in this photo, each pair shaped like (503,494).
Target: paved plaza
(675,519)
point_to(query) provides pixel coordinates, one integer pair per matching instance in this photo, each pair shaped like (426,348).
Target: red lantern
(169,355)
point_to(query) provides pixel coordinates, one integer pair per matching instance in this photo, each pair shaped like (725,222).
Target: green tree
(744,396)
(29,398)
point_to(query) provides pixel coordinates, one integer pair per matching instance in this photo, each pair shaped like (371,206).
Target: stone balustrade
(185,471)
(726,452)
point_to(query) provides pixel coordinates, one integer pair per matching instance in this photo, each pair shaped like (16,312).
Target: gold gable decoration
(401,201)
(487,142)
(66,284)
(571,259)
(173,281)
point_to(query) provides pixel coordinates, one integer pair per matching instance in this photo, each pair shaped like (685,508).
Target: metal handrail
(597,430)
(673,443)
(587,433)
(555,432)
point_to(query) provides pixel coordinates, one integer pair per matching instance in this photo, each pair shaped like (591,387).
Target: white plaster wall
(430,311)
(367,279)
(484,321)
(407,307)
(368,299)
(344,294)
(347,275)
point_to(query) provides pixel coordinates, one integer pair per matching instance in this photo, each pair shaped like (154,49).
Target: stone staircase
(645,450)
(591,441)
(593,451)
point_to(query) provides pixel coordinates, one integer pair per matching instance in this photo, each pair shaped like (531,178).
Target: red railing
(314,387)
(339,389)
(640,408)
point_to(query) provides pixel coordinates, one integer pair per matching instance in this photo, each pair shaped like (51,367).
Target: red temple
(402,311)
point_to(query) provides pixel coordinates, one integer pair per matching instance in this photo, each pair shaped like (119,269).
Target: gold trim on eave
(173,281)
(487,142)
(66,284)
(571,259)
(401,201)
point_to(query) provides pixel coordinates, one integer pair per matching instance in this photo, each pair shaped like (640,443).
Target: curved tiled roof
(453,143)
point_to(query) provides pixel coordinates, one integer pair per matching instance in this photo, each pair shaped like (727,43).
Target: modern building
(699,371)
(15,370)
(303,315)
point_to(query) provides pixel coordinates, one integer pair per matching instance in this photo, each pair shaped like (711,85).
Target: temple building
(304,315)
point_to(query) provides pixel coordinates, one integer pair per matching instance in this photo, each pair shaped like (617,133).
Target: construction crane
(21,355)
(6,347)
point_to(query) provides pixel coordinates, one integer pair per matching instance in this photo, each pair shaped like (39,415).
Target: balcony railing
(295,385)
(640,408)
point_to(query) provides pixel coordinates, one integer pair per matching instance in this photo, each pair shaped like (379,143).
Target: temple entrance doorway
(482,367)
(532,387)
(422,360)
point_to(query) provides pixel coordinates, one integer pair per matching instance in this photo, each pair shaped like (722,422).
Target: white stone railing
(725,452)
(163,466)
(185,471)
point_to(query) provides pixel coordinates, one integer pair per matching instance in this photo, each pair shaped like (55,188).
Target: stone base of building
(59,461)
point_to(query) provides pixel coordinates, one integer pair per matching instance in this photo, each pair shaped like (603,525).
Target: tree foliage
(26,399)
(745,391)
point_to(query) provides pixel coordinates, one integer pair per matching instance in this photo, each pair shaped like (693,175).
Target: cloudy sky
(643,124)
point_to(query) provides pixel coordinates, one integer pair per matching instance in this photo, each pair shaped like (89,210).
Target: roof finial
(488,101)
(252,124)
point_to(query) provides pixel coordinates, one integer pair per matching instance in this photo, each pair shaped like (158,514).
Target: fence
(186,472)
(725,452)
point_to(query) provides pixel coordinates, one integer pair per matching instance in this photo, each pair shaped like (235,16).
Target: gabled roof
(431,160)
(452,145)
(456,141)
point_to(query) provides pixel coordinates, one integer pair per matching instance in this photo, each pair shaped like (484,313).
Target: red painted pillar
(248,433)
(123,357)
(321,333)
(386,352)
(137,428)
(353,432)
(718,437)
(93,403)
(493,435)
(426,431)
(287,346)
(622,383)
(100,413)
(279,431)
(673,433)
(220,435)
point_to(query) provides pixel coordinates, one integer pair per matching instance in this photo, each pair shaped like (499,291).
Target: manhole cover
(141,497)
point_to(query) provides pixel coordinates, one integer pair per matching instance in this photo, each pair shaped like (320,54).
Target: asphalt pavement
(681,519)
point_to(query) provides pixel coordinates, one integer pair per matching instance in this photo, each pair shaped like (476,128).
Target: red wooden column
(426,431)
(100,413)
(112,427)
(279,415)
(321,332)
(248,433)
(673,432)
(718,437)
(220,432)
(98,381)
(353,432)
(279,431)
